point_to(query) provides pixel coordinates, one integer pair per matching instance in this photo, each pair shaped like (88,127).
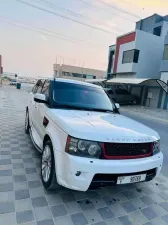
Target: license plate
(131,179)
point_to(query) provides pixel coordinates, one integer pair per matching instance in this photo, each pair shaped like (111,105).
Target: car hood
(103,127)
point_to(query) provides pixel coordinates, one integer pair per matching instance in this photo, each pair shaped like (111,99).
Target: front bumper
(68,168)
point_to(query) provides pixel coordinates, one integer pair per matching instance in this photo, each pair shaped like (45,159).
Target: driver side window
(45,89)
(40,85)
(34,90)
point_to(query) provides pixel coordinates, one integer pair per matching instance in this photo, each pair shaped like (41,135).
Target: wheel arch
(46,138)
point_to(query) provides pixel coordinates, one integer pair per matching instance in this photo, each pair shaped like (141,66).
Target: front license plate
(131,179)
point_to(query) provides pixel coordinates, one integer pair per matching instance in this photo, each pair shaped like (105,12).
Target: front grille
(127,150)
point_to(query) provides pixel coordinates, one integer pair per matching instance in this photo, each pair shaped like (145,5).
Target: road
(161,128)
(27,87)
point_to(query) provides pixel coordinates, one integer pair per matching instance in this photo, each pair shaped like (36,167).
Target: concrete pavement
(23,199)
(149,113)
(160,126)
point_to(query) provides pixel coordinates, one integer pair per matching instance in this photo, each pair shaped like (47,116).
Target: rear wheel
(48,174)
(27,125)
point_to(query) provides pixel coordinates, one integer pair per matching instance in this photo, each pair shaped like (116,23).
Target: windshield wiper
(65,106)
(102,110)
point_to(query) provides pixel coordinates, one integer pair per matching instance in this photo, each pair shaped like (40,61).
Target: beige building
(77,73)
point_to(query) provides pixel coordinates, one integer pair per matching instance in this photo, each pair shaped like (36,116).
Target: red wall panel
(120,41)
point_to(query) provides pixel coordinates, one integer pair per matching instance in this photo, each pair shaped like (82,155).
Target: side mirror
(117,105)
(40,98)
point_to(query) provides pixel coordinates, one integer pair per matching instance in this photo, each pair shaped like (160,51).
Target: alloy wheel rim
(46,163)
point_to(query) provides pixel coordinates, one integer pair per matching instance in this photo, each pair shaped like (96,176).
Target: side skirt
(35,145)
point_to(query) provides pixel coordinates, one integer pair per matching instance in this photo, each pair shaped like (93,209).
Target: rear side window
(34,90)
(45,89)
(40,86)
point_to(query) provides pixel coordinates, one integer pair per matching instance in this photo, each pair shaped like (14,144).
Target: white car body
(94,126)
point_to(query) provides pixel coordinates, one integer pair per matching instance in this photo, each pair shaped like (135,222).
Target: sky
(77,32)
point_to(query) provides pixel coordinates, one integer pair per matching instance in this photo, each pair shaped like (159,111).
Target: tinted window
(157,31)
(165,55)
(130,56)
(136,56)
(40,85)
(34,90)
(82,96)
(45,89)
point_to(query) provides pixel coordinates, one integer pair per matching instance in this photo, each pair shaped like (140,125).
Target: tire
(27,125)
(50,181)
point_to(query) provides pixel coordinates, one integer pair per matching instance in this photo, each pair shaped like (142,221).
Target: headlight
(83,148)
(156,147)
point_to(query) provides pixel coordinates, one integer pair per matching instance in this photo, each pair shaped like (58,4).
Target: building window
(130,56)
(110,63)
(157,31)
(136,56)
(78,75)
(165,55)
(89,76)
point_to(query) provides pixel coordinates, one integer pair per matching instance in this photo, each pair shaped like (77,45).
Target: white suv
(84,141)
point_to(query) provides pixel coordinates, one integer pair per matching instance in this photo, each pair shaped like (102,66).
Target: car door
(36,105)
(31,105)
(41,110)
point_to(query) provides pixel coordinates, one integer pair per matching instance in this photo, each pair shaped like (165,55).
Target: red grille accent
(127,150)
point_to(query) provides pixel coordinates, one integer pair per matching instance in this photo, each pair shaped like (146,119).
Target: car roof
(76,82)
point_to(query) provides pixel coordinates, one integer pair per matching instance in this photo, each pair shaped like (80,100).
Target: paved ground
(24,201)
(149,113)
(157,120)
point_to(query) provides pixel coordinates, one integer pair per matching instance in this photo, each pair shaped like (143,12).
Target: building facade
(164,62)
(77,73)
(143,53)
(139,54)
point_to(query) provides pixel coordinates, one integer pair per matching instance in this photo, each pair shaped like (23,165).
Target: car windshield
(81,97)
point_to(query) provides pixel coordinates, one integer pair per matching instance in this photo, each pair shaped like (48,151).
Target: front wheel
(48,174)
